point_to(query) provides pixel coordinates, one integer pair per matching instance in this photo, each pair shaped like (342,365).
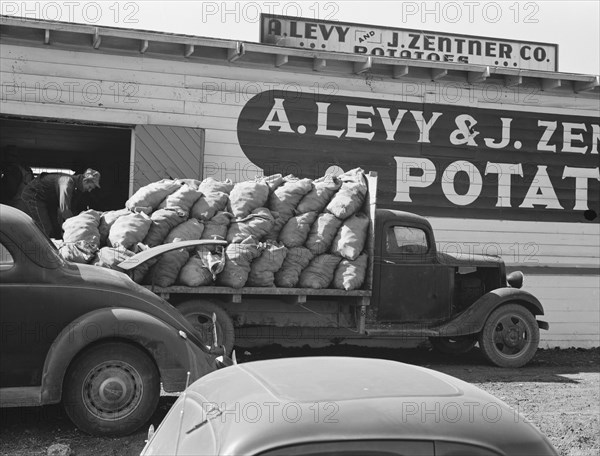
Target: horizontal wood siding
(171,99)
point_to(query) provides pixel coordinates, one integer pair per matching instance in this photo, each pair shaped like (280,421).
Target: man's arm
(66,186)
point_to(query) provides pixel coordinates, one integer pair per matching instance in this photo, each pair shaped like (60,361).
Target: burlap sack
(248,196)
(164,273)
(296,230)
(149,197)
(296,260)
(319,273)
(350,275)
(181,200)
(82,251)
(110,257)
(193,183)
(238,258)
(322,233)
(350,197)
(189,230)
(216,228)
(128,230)
(274,181)
(202,268)
(350,240)
(257,225)
(211,185)
(263,269)
(319,197)
(208,205)
(83,227)
(163,221)
(107,219)
(286,197)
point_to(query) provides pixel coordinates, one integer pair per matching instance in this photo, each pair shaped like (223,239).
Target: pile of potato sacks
(281,231)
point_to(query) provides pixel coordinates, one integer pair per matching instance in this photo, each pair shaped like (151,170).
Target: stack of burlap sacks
(281,231)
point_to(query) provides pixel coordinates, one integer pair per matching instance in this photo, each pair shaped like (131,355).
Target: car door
(412,285)
(30,318)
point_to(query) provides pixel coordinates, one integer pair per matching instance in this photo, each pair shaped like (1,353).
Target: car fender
(471,321)
(170,349)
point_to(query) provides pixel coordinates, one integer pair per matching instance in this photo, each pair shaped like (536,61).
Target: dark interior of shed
(52,145)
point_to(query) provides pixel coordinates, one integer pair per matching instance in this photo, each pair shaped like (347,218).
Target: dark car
(341,406)
(87,336)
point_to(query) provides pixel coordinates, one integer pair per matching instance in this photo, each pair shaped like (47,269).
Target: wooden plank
(272,291)
(139,258)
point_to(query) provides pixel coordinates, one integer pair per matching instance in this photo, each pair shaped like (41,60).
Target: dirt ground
(559,391)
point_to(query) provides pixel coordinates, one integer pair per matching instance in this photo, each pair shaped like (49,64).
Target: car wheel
(111,389)
(199,314)
(453,345)
(510,336)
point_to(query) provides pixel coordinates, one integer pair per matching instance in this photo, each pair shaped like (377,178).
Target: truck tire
(111,389)
(510,336)
(453,345)
(199,314)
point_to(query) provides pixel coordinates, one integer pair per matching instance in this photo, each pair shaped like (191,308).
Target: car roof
(19,232)
(274,403)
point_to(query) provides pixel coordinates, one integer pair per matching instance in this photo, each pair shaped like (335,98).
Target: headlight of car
(515,279)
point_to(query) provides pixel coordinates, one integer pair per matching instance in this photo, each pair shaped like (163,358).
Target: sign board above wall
(320,35)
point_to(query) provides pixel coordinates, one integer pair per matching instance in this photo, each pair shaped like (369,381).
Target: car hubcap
(510,335)
(112,390)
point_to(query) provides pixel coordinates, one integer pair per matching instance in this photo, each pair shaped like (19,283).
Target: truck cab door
(411,285)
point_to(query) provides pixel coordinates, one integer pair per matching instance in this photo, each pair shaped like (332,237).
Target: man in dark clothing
(14,177)
(48,198)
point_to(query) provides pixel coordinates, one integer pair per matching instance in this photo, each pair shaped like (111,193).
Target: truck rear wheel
(199,314)
(510,336)
(453,345)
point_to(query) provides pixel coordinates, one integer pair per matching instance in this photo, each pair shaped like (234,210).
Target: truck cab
(456,300)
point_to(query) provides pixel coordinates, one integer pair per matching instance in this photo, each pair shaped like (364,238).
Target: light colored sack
(190,230)
(322,233)
(319,197)
(351,196)
(202,268)
(296,230)
(128,230)
(296,259)
(82,251)
(286,197)
(350,240)
(319,273)
(237,263)
(216,228)
(165,272)
(149,197)
(107,219)
(163,221)
(208,205)
(248,196)
(181,200)
(257,225)
(211,185)
(263,269)
(110,257)
(350,275)
(83,227)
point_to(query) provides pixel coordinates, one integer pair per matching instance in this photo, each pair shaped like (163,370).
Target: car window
(406,239)
(6,259)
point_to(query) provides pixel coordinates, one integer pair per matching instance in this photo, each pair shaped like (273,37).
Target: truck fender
(471,321)
(173,354)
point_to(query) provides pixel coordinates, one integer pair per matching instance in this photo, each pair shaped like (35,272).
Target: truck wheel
(510,336)
(111,389)
(453,345)
(199,314)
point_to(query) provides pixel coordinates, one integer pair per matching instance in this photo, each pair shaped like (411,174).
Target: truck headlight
(515,279)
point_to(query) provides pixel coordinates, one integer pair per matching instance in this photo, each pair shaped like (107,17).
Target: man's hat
(91,175)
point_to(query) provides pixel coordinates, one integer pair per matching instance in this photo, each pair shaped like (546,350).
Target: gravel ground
(559,391)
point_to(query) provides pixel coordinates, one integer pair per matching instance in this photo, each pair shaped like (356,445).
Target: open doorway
(47,145)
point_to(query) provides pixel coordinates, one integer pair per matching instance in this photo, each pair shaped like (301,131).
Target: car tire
(111,389)
(510,336)
(458,345)
(199,314)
